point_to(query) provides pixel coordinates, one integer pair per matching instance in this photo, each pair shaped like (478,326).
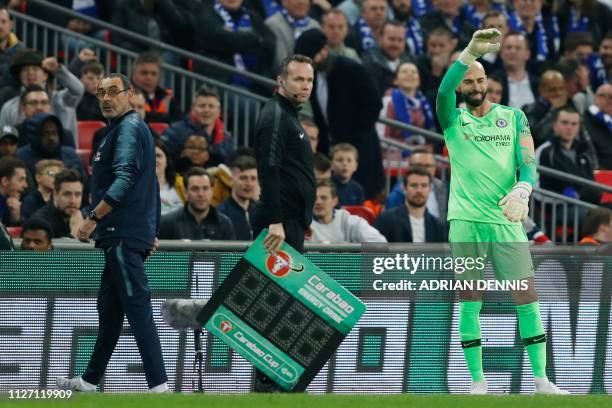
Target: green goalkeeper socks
(469,331)
(534,338)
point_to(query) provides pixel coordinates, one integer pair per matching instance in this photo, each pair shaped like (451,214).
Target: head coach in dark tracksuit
(285,167)
(125,216)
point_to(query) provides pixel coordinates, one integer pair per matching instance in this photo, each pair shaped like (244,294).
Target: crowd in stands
(372,58)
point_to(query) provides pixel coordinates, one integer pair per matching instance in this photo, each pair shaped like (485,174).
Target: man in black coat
(565,152)
(158,20)
(285,167)
(198,219)
(354,111)
(411,222)
(230,33)
(598,122)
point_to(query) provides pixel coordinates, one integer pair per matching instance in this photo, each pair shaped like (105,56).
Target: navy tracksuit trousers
(124,291)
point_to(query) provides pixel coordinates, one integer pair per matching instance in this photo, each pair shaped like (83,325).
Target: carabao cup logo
(280,264)
(225,326)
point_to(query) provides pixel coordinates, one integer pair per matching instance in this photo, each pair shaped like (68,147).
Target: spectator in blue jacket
(412,222)
(204,118)
(240,206)
(44,133)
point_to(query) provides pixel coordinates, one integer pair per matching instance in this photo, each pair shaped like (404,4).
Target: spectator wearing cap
(37,236)
(29,68)
(44,132)
(288,24)
(9,137)
(9,45)
(354,111)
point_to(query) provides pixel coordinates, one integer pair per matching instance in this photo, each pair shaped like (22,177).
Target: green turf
(312,401)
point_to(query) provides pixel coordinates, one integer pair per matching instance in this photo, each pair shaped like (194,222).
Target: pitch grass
(312,401)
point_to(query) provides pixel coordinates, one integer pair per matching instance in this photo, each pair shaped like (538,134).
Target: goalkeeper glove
(482,42)
(516,203)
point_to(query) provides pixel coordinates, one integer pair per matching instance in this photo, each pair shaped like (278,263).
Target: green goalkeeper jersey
(485,153)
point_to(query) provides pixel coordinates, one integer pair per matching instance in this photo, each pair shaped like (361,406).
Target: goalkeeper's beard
(474,100)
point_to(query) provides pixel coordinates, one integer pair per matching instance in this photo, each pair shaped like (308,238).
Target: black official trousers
(294,236)
(124,291)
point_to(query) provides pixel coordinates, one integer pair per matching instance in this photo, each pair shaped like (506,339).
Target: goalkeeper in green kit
(487,144)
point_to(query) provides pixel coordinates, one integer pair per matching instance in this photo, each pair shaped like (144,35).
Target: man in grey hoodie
(29,68)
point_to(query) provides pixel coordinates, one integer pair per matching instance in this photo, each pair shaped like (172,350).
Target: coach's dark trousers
(294,236)
(124,291)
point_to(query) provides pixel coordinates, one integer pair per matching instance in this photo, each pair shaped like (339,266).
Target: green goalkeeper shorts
(505,246)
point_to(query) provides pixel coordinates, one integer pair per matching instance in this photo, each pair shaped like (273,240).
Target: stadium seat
(361,211)
(159,127)
(604,177)
(14,232)
(87,128)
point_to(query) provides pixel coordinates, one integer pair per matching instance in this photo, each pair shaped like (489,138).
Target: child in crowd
(89,107)
(45,177)
(344,158)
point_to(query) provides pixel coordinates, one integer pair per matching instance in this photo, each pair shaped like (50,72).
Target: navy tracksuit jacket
(124,176)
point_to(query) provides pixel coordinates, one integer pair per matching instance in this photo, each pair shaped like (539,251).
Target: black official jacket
(285,165)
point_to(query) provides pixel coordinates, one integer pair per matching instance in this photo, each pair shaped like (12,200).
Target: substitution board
(281,313)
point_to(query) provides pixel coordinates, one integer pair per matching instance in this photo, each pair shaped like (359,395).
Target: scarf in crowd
(243,62)
(87,7)
(403,104)
(421,7)
(271,7)
(597,70)
(601,117)
(367,39)
(515,23)
(414,37)
(577,25)
(299,25)
(475,17)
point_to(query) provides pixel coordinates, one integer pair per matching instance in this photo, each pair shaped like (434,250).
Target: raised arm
(483,41)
